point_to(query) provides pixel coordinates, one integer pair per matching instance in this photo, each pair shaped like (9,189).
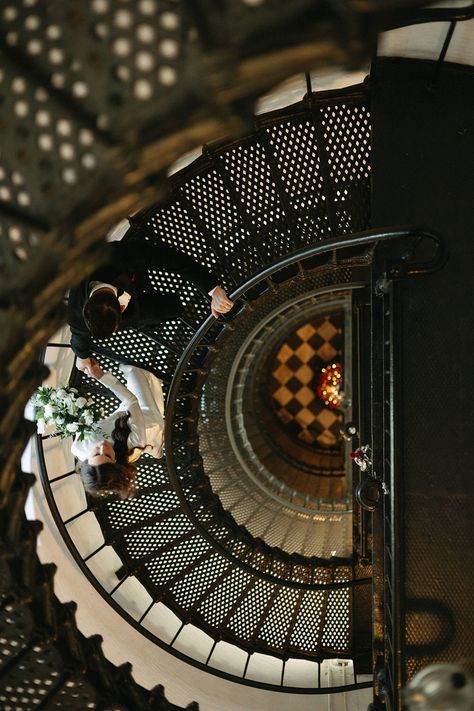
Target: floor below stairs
(423,175)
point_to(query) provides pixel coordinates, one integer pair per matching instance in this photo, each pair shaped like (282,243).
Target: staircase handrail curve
(367,238)
(430,14)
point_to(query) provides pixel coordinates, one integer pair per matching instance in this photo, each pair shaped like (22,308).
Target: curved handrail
(426,15)
(361,239)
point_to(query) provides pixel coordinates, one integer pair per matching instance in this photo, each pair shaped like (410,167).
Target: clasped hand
(90,366)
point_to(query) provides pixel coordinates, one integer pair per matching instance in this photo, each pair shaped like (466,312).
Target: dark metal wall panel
(422,173)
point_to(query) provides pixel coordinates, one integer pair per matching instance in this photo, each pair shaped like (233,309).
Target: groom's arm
(205,279)
(80,336)
(161,256)
(81,343)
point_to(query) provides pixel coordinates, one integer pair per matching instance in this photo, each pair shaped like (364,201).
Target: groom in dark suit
(114,298)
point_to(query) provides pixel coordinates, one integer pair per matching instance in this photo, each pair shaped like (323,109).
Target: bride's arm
(136,421)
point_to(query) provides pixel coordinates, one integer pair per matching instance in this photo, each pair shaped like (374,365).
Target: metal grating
(221,602)
(169,564)
(252,609)
(346,131)
(115,61)
(150,539)
(41,665)
(307,631)
(190,592)
(276,628)
(49,160)
(296,155)
(123,514)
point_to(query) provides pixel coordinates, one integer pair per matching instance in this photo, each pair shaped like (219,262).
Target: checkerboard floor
(295,370)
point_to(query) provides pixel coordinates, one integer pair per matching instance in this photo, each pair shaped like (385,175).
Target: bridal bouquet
(69,412)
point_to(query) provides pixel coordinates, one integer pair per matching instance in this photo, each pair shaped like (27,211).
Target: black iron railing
(426,15)
(380,428)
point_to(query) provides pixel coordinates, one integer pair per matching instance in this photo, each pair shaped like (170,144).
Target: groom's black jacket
(126,265)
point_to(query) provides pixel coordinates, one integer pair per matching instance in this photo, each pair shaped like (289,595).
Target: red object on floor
(329,386)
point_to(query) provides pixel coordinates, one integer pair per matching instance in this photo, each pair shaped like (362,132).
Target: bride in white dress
(136,426)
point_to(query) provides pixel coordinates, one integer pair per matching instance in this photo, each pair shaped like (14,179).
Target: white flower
(49,410)
(66,409)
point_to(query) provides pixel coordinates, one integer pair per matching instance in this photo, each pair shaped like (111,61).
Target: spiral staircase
(221,559)
(262,574)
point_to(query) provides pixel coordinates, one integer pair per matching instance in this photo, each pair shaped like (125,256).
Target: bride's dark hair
(113,478)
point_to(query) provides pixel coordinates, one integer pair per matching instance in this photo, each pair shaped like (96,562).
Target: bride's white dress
(143,398)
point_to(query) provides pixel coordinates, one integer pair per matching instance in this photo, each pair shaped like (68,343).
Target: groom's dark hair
(102,314)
